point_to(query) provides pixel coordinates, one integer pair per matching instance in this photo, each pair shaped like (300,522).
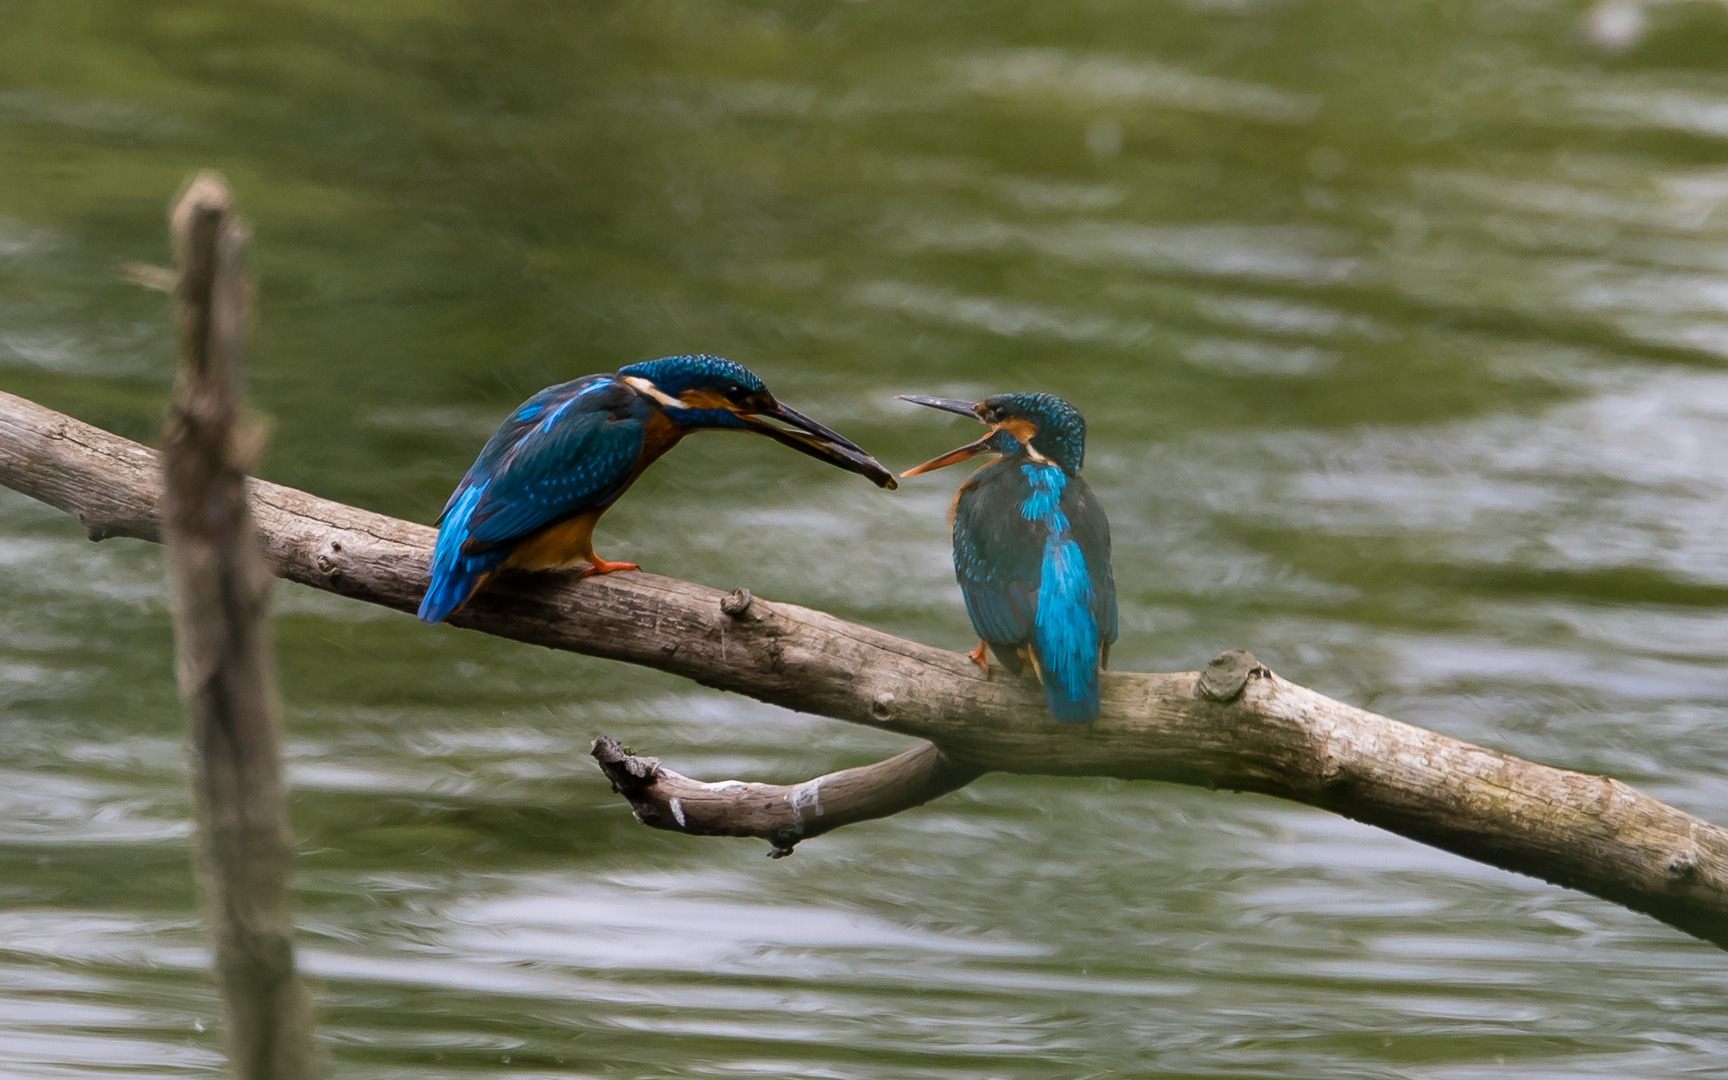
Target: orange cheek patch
(1021,428)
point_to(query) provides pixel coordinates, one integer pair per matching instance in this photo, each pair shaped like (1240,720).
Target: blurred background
(1402,331)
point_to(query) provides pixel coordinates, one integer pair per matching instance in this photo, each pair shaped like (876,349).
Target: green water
(1402,331)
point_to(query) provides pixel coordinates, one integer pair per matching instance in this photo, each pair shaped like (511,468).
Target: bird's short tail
(1071,694)
(450,590)
(455,576)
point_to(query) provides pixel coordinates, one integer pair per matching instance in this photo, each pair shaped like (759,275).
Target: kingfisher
(1032,547)
(531,498)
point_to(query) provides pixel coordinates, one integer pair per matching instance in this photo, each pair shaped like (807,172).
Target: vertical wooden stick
(221,592)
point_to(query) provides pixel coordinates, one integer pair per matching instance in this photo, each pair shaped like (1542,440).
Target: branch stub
(736,603)
(627,772)
(1227,675)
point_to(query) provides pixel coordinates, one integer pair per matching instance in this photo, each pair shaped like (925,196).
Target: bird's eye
(736,394)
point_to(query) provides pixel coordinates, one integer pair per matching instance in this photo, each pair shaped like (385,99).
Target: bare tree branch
(1248,731)
(221,594)
(783,816)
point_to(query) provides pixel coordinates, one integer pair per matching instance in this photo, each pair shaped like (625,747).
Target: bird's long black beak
(964,408)
(808,437)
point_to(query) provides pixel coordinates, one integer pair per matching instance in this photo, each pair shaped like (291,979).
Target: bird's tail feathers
(1070,690)
(455,576)
(450,591)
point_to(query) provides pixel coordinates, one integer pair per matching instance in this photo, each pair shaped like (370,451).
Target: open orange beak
(963,408)
(971,449)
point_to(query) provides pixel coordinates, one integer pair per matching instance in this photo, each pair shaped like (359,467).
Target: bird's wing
(1091,530)
(565,450)
(515,427)
(998,558)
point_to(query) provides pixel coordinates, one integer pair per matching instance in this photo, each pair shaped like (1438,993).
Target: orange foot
(977,657)
(601,566)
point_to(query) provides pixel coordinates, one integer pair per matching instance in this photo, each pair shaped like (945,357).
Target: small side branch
(781,815)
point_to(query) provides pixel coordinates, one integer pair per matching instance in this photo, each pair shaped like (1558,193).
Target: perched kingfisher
(566,454)
(1032,547)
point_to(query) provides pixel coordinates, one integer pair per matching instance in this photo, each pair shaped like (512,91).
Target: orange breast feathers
(659,434)
(556,547)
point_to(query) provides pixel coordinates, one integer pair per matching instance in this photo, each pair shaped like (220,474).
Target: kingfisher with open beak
(1032,547)
(565,455)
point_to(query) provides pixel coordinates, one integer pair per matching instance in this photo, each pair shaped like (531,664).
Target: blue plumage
(578,451)
(1065,632)
(531,498)
(1032,548)
(454,575)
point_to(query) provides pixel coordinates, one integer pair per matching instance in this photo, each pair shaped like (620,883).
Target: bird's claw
(977,657)
(601,566)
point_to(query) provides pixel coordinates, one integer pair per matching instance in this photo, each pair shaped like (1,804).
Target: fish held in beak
(808,437)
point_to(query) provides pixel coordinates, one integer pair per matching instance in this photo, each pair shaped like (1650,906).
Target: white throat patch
(643,386)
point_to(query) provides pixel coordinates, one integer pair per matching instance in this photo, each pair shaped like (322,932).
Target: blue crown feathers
(699,371)
(1061,433)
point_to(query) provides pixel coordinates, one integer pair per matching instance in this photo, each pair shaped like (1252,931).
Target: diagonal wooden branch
(1249,730)
(781,815)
